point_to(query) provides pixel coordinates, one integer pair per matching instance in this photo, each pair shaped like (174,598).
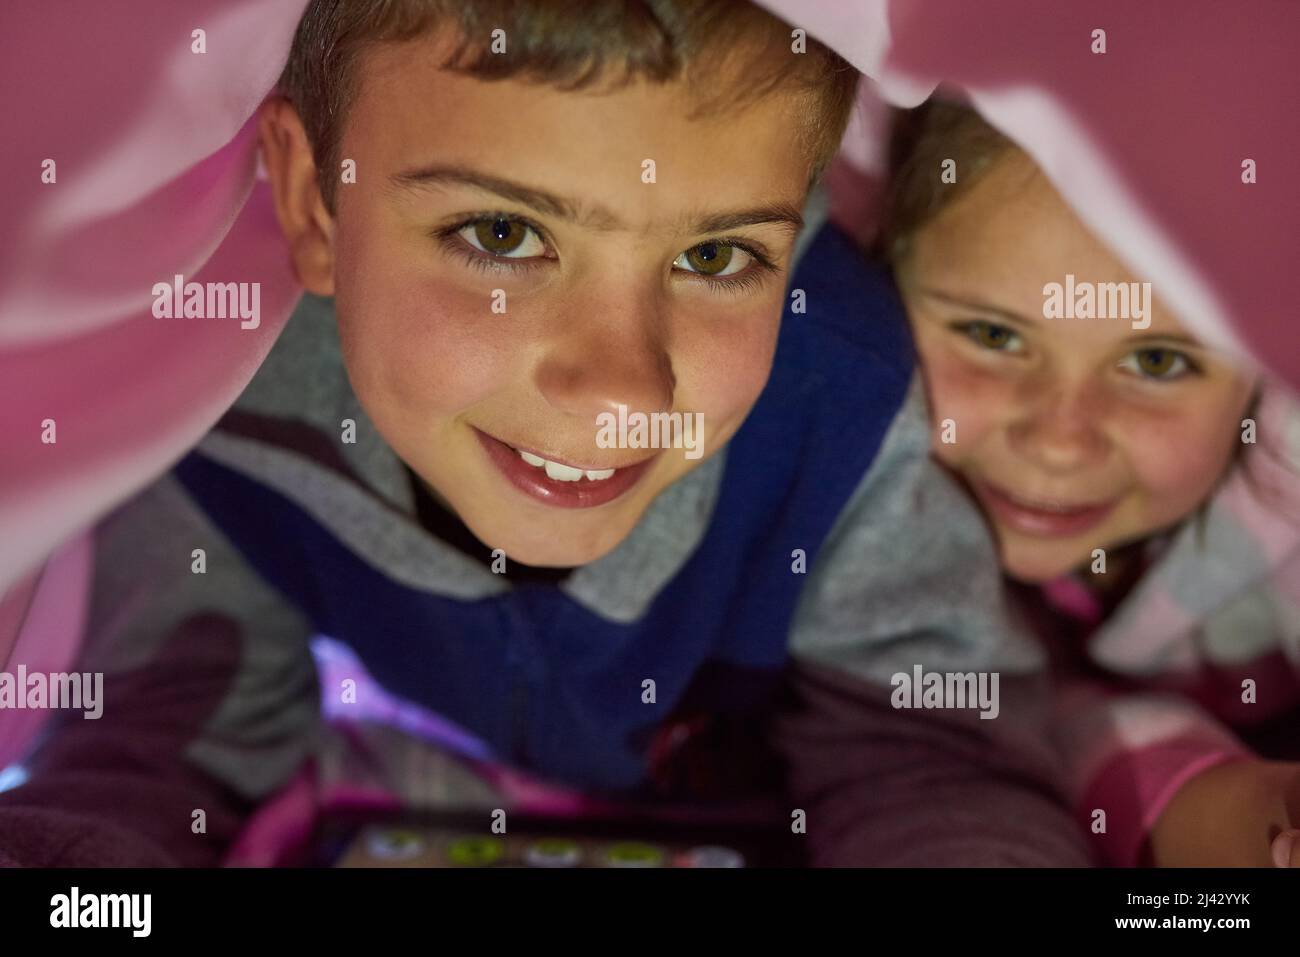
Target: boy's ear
(306,223)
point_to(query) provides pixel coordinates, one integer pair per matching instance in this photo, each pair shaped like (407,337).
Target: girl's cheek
(964,400)
(1177,459)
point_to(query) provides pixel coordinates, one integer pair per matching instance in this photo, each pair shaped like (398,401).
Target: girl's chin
(1038,569)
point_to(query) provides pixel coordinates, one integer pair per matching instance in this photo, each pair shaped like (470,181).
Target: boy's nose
(1061,430)
(608,360)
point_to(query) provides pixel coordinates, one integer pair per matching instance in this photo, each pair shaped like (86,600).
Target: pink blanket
(154,174)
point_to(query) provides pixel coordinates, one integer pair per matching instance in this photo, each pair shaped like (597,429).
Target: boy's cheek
(427,347)
(721,369)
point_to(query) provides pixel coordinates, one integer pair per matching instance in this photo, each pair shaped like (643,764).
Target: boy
(528,220)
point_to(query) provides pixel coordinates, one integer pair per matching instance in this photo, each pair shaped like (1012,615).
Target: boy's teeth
(564,473)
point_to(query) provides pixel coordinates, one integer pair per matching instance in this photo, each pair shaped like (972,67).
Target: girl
(1142,491)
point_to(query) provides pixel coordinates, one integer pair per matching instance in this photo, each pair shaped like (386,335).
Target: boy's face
(1073,433)
(503,275)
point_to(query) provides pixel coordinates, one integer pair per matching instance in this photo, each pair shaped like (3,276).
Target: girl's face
(1074,434)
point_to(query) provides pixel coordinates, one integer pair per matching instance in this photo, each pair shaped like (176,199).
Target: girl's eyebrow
(1174,337)
(1013,317)
(950,299)
(591,216)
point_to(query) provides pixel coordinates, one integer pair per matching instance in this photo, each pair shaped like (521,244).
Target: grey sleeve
(209,702)
(908,574)
(909,579)
(884,787)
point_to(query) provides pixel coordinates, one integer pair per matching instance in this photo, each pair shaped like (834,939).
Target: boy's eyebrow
(781,214)
(594,217)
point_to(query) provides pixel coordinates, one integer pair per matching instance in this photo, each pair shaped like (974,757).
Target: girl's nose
(1061,429)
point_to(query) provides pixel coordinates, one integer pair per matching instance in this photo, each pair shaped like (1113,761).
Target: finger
(1286,849)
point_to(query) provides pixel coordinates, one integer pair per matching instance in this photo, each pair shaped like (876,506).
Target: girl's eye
(989,335)
(714,259)
(503,237)
(1163,364)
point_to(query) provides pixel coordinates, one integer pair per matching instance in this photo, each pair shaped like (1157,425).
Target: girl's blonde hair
(922,140)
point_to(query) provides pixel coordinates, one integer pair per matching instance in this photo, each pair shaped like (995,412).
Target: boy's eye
(714,259)
(1157,363)
(505,237)
(989,335)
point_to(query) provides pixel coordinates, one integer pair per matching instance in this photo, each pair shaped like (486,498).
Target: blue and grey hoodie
(774,593)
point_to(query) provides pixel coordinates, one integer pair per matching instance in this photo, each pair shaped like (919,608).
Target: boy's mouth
(562,484)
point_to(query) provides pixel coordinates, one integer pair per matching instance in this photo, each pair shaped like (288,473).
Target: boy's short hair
(571,46)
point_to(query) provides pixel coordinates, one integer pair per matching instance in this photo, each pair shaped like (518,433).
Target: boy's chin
(557,554)
(567,542)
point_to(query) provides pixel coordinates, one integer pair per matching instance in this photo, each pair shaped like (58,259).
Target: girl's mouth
(562,484)
(1042,519)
